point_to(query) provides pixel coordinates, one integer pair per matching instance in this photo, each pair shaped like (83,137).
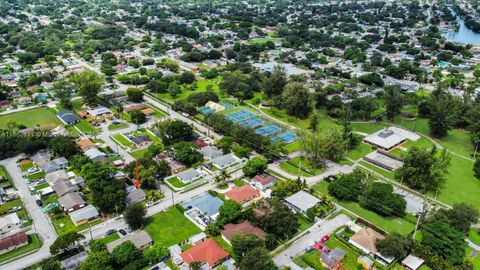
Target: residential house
(59,131)
(197,238)
(85,144)
(56,177)
(23,100)
(135,196)
(231,229)
(365,261)
(71,202)
(100,113)
(95,154)
(211,152)
(68,117)
(84,215)
(73,262)
(365,240)
(331,260)
(263,181)
(141,142)
(12,242)
(207,204)
(64,187)
(10,223)
(243,194)
(41,157)
(412,262)
(225,161)
(15,94)
(207,252)
(186,176)
(54,165)
(176,166)
(301,201)
(4,104)
(140,239)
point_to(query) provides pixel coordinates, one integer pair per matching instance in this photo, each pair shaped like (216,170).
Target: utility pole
(421,215)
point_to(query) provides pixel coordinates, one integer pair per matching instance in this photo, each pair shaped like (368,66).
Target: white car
(152,203)
(32,170)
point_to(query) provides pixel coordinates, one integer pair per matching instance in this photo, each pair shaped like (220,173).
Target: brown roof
(242,194)
(132,107)
(71,200)
(207,251)
(85,143)
(264,179)
(367,238)
(148,111)
(14,240)
(244,227)
(200,143)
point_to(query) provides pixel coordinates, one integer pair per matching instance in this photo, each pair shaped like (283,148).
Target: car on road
(111,231)
(129,230)
(152,203)
(122,232)
(325,238)
(309,249)
(39,202)
(330,178)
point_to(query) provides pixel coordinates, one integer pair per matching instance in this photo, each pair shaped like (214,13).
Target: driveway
(308,238)
(41,223)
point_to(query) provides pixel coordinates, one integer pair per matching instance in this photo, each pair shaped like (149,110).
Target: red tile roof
(242,194)
(264,179)
(208,251)
(245,227)
(14,240)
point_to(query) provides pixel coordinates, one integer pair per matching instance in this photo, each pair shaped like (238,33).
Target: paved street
(313,234)
(41,224)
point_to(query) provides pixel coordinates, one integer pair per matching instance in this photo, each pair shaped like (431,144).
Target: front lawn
(362,150)
(34,243)
(8,205)
(31,118)
(170,227)
(63,224)
(122,140)
(109,238)
(175,182)
(85,127)
(300,165)
(26,166)
(36,176)
(117,126)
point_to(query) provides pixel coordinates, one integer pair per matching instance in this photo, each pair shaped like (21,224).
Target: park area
(170,227)
(31,118)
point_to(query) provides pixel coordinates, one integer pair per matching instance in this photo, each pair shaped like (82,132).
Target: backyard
(170,227)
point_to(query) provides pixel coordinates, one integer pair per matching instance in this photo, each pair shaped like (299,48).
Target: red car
(325,238)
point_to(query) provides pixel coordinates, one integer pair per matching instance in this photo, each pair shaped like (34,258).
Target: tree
(148,177)
(286,188)
(443,240)
(423,169)
(255,166)
(51,264)
(126,253)
(186,153)
(138,117)
(156,252)
(64,146)
(381,199)
(229,212)
(476,168)
(393,101)
(348,187)
(187,77)
(274,84)
(89,84)
(275,218)
(222,178)
(460,216)
(135,215)
(243,242)
(440,114)
(297,100)
(235,84)
(97,260)
(66,243)
(257,258)
(395,245)
(171,132)
(322,145)
(63,91)
(135,94)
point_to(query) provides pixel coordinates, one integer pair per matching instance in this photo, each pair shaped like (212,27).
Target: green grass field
(202,86)
(117,126)
(403,225)
(305,169)
(122,140)
(35,117)
(36,175)
(175,182)
(34,243)
(263,40)
(474,235)
(109,238)
(65,225)
(170,227)
(359,152)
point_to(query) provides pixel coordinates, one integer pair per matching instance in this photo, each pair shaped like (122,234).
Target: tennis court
(254,123)
(226,105)
(268,130)
(206,110)
(287,137)
(231,118)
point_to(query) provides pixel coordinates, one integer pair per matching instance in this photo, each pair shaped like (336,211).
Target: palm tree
(222,178)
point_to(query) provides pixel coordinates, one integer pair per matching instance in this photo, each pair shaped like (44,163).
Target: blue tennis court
(267,130)
(231,118)
(240,116)
(254,122)
(246,113)
(287,137)
(206,110)
(226,105)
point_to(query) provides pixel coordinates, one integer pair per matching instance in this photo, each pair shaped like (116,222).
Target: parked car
(32,170)
(39,202)
(122,232)
(111,231)
(129,230)
(330,178)
(309,249)
(152,203)
(325,238)
(15,209)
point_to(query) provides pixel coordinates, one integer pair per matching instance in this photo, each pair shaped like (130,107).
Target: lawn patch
(170,227)
(31,118)
(300,165)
